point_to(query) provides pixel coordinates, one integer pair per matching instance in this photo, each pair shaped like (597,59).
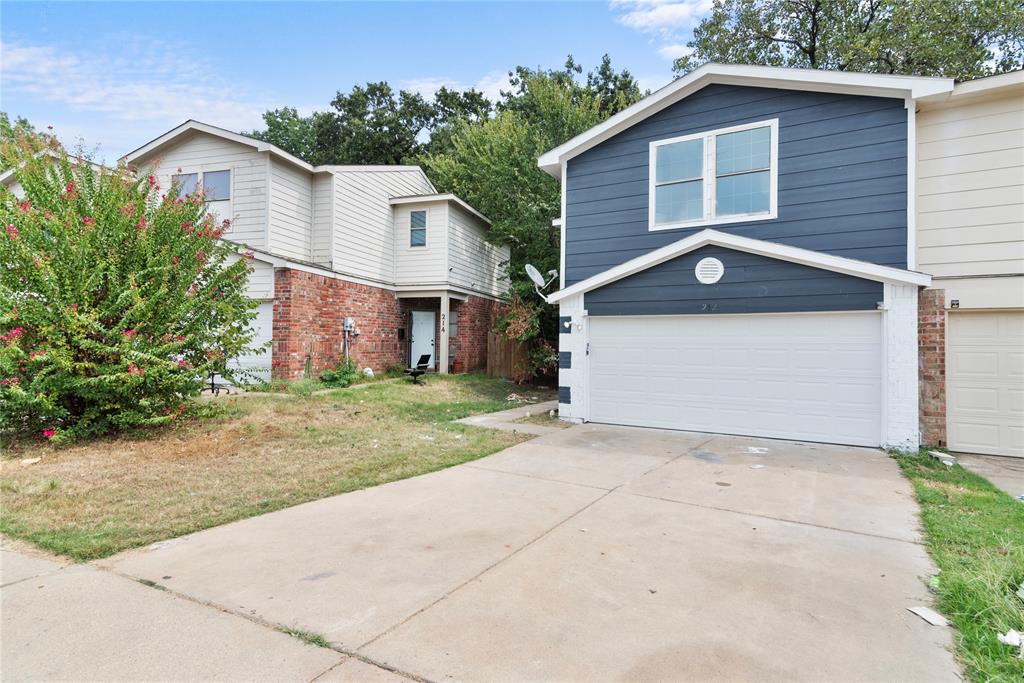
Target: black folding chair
(421,368)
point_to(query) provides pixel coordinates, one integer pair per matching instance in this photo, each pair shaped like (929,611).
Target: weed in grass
(975,533)
(308,637)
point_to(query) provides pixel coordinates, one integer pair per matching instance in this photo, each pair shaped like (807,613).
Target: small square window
(418,229)
(185,183)
(216,185)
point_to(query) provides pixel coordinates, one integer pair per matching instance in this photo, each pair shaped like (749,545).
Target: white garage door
(814,377)
(259,364)
(985,383)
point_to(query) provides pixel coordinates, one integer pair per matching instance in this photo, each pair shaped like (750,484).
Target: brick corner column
(931,345)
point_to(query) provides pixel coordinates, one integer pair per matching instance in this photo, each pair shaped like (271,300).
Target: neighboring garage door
(985,383)
(814,377)
(259,364)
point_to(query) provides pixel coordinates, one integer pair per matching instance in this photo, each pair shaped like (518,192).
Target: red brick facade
(310,309)
(931,341)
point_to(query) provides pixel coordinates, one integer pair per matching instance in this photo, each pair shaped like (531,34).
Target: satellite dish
(535,275)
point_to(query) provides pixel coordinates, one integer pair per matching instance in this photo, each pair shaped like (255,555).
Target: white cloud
(675,51)
(127,98)
(661,17)
(490,84)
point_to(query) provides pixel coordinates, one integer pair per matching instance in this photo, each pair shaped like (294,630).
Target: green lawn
(975,533)
(262,453)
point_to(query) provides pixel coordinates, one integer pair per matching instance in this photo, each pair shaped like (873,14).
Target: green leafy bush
(115,301)
(341,376)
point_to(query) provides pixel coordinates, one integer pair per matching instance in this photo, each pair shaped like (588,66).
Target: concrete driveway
(593,553)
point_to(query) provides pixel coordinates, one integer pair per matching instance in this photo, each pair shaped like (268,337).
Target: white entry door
(985,382)
(423,337)
(811,377)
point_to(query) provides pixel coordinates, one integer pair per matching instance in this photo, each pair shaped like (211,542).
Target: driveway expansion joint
(534,476)
(773,518)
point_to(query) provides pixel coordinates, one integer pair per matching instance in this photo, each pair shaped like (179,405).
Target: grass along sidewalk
(261,454)
(975,533)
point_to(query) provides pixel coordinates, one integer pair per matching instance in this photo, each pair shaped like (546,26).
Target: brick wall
(931,338)
(476,318)
(309,311)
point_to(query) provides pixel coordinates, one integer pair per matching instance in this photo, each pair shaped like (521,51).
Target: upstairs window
(216,184)
(418,229)
(721,176)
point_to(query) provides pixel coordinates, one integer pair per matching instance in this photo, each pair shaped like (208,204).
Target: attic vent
(709,271)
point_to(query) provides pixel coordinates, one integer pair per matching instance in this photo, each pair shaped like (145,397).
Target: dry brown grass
(95,499)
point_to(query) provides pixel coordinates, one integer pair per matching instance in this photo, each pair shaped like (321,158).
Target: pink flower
(141,224)
(17,332)
(12,231)
(249,254)
(74,307)
(129,333)
(152,180)
(184,363)
(10,382)
(180,337)
(87,221)
(136,370)
(25,206)
(187,226)
(175,260)
(201,257)
(49,432)
(128,210)
(69,190)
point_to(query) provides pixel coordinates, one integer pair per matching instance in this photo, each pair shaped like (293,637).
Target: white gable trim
(880,85)
(444,197)
(806,257)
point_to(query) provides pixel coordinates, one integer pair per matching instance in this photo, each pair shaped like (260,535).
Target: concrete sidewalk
(80,622)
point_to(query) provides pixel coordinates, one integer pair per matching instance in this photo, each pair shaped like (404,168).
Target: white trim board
(807,257)
(444,197)
(879,85)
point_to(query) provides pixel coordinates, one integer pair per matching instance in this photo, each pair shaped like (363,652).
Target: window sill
(740,218)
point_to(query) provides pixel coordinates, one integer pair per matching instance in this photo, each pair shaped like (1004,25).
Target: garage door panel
(985,382)
(814,377)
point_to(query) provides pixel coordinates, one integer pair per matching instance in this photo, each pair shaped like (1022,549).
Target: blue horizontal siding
(751,284)
(842,178)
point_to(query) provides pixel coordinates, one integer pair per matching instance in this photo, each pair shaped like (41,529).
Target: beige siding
(970,187)
(261,280)
(475,263)
(364,244)
(425,265)
(323,218)
(247,208)
(291,210)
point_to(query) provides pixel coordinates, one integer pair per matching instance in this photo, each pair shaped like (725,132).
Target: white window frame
(709,178)
(426,224)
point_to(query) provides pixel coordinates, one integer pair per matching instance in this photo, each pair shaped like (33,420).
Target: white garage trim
(806,257)
(896,366)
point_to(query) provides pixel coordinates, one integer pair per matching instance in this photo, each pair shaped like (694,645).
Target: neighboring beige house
(410,267)
(970,238)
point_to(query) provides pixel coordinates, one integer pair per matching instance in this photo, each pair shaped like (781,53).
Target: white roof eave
(807,257)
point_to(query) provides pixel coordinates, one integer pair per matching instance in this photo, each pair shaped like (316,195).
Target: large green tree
(492,164)
(962,39)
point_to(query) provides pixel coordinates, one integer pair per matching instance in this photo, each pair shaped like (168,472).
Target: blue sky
(115,75)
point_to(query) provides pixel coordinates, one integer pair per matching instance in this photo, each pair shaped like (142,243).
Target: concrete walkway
(591,553)
(1005,472)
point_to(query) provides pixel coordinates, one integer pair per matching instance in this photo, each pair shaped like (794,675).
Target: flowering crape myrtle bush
(116,301)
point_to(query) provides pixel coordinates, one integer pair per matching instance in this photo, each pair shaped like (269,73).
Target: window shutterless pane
(186,183)
(418,229)
(743,193)
(746,150)
(679,161)
(216,185)
(679,202)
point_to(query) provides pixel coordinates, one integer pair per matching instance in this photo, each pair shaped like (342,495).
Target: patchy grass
(260,453)
(308,637)
(544,419)
(975,533)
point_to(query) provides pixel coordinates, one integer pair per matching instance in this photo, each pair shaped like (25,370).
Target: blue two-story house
(738,257)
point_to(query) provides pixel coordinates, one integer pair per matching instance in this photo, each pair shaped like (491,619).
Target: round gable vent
(709,271)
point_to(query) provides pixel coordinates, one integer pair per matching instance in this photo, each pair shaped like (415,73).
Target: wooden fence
(504,356)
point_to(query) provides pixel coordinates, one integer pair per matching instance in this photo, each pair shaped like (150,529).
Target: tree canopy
(961,39)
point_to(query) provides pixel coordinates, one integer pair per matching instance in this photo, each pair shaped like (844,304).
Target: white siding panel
(200,152)
(425,265)
(364,242)
(261,280)
(291,211)
(475,263)
(323,218)
(970,187)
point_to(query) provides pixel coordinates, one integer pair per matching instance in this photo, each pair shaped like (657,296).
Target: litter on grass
(929,615)
(1013,639)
